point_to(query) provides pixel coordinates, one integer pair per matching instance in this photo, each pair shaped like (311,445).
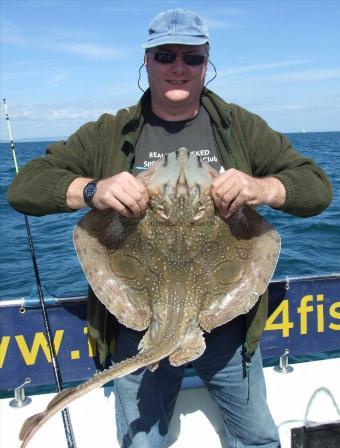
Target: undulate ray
(178,271)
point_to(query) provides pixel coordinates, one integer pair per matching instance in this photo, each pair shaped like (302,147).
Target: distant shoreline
(55,139)
(36,139)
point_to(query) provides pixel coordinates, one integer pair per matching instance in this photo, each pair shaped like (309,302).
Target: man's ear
(206,63)
(146,56)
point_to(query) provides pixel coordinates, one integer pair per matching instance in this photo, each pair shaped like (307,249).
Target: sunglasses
(166,57)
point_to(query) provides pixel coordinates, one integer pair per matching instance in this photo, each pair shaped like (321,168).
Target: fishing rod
(56,370)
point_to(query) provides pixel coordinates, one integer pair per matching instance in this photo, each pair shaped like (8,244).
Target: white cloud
(322,74)
(133,8)
(282,108)
(224,18)
(232,11)
(57,112)
(48,75)
(90,50)
(69,114)
(218,24)
(21,74)
(243,69)
(59,40)
(11,34)
(58,77)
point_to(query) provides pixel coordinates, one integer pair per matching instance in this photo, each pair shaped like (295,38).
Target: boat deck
(309,394)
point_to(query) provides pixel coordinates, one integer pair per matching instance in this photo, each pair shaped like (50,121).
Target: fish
(178,272)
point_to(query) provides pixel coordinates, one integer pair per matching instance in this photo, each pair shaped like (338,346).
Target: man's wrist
(74,194)
(89,191)
(274,192)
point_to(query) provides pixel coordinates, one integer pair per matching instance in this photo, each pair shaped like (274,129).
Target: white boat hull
(311,393)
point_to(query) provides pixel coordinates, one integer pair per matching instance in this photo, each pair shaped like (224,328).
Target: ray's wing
(111,252)
(240,264)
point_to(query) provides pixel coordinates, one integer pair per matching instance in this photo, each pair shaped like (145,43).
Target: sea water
(310,246)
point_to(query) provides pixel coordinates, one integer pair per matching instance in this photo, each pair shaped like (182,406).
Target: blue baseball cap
(177,26)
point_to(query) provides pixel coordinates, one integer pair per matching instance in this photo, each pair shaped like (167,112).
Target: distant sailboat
(303,131)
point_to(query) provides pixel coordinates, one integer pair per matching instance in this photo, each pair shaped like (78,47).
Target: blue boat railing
(303,317)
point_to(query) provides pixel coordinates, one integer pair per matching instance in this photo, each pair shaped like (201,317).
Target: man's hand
(122,192)
(232,189)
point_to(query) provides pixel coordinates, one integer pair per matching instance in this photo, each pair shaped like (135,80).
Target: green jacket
(106,147)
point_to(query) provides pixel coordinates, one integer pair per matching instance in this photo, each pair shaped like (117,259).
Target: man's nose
(178,65)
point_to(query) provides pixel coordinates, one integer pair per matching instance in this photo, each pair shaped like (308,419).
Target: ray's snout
(182,187)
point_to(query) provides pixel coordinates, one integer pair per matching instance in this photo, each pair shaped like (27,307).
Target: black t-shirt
(160,137)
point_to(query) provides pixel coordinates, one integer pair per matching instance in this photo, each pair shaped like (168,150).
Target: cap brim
(179,40)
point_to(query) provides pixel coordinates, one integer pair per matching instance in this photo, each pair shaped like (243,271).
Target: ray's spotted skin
(178,271)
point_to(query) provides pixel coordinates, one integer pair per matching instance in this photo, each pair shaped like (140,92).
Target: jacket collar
(133,118)
(217,108)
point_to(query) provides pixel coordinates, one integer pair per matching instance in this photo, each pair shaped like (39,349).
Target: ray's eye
(161,211)
(199,213)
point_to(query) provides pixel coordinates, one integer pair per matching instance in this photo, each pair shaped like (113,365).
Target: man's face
(176,82)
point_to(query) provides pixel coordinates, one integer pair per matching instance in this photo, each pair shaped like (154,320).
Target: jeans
(145,400)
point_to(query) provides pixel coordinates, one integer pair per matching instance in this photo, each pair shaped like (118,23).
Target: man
(95,168)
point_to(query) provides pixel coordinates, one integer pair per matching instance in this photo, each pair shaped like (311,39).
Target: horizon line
(54,138)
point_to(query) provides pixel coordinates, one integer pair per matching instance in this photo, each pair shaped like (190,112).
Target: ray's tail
(65,397)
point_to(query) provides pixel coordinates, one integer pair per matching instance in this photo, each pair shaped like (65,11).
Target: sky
(64,63)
